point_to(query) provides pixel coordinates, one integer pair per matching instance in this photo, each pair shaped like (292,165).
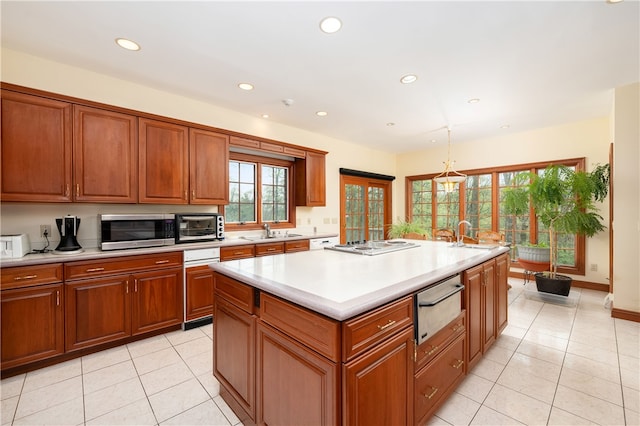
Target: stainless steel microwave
(195,227)
(123,231)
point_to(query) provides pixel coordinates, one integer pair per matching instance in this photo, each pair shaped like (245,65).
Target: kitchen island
(328,337)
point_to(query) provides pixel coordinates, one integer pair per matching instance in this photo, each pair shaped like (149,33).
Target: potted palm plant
(564,200)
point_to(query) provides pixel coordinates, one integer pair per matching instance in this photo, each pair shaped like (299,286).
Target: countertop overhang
(343,285)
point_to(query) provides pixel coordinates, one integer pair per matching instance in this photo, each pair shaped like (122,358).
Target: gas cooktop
(373,248)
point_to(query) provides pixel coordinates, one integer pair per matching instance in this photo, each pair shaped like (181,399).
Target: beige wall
(588,138)
(626,205)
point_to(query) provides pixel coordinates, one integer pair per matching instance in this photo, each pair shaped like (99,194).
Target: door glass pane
(516,228)
(448,209)
(421,209)
(376,213)
(478,206)
(355,213)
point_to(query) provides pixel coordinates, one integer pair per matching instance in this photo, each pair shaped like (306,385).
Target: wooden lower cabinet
(378,385)
(32,324)
(113,299)
(294,384)
(234,337)
(97,311)
(156,300)
(481,302)
(199,292)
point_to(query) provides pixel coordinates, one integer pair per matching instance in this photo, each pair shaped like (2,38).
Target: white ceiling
(531,64)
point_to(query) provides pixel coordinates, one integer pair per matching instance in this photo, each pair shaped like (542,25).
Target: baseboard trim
(575,283)
(625,315)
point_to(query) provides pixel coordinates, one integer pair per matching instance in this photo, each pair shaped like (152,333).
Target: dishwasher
(198,286)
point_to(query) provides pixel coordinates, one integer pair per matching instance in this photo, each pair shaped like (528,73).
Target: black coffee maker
(68,228)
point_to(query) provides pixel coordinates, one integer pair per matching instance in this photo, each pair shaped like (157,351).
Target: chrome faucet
(267,229)
(460,243)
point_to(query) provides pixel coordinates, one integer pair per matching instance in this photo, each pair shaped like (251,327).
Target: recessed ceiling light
(127,44)
(265,115)
(330,24)
(614,1)
(473,100)
(390,124)
(321,113)
(246,86)
(505,126)
(433,141)
(408,79)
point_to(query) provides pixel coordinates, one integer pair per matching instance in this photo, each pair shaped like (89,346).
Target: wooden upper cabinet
(105,151)
(310,183)
(163,162)
(36,148)
(208,167)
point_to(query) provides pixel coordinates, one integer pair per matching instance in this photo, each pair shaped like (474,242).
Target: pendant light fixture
(449,178)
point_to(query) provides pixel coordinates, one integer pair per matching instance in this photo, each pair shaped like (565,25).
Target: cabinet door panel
(199,287)
(208,167)
(105,156)
(473,304)
(378,386)
(294,384)
(502,290)
(32,324)
(156,300)
(97,311)
(163,162)
(234,334)
(36,148)
(489,304)
(310,184)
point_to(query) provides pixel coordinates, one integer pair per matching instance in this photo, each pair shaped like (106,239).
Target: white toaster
(13,246)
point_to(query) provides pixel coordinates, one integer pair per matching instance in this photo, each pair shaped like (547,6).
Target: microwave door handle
(425,304)
(198,217)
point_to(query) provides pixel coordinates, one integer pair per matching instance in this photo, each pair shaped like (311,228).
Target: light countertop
(342,285)
(96,253)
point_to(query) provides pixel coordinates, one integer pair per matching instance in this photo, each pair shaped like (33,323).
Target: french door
(365,209)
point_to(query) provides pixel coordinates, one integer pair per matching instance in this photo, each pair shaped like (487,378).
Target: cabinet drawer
(118,265)
(23,276)
(429,349)
(309,328)
(366,330)
(241,295)
(299,245)
(237,252)
(269,249)
(434,381)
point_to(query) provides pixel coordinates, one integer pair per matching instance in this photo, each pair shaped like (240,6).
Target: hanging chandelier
(449,178)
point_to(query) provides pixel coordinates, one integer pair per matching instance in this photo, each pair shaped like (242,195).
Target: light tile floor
(553,365)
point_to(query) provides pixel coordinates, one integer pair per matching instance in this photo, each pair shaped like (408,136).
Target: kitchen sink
(263,237)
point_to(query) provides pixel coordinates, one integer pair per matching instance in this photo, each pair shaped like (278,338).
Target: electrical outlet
(594,267)
(45,231)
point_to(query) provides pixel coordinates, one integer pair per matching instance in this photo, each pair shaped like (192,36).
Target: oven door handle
(426,304)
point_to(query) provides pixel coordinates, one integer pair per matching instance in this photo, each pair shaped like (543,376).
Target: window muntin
(447,208)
